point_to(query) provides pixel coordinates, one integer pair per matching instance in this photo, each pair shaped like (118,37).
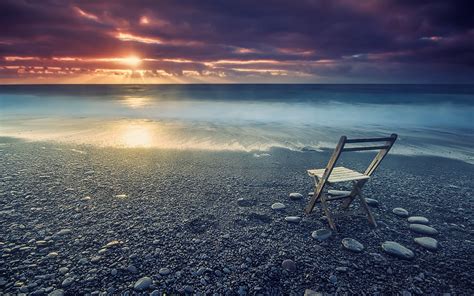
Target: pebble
(112,244)
(289,265)
(400,212)
(188,289)
(427,243)
(57,292)
(52,255)
(121,196)
(296,196)
(338,192)
(65,231)
(418,220)
(321,234)
(142,284)
(67,282)
(164,271)
(242,202)
(132,269)
(293,219)
(309,292)
(397,250)
(278,206)
(372,202)
(63,270)
(333,279)
(352,245)
(423,229)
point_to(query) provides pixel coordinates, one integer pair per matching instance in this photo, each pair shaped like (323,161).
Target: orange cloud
(129,37)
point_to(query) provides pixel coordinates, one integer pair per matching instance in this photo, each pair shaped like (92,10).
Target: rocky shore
(85,220)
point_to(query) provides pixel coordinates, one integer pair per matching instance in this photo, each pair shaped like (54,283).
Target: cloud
(307,41)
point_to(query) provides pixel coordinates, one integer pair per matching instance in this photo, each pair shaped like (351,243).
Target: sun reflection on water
(135,102)
(136,135)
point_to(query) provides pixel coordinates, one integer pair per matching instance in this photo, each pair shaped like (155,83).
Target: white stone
(427,243)
(352,245)
(142,284)
(296,196)
(293,219)
(397,250)
(278,206)
(400,212)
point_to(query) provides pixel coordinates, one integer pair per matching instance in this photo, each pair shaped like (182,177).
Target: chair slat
(368,140)
(365,148)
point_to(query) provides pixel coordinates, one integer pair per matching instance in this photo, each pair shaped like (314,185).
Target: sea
(434,120)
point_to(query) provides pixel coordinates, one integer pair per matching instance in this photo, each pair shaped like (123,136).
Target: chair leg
(366,208)
(356,187)
(325,207)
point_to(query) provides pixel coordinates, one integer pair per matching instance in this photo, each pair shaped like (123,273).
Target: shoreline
(179,211)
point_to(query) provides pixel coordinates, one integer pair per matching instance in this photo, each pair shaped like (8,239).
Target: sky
(257,41)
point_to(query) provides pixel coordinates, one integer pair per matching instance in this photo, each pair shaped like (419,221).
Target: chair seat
(339,174)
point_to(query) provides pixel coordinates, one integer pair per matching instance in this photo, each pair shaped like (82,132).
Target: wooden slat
(366,148)
(345,179)
(368,140)
(340,174)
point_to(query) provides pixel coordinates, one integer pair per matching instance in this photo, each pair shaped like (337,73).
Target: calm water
(430,119)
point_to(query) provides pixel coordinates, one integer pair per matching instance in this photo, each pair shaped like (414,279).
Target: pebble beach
(102,221)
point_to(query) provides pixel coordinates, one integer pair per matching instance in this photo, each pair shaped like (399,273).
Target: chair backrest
(384,149)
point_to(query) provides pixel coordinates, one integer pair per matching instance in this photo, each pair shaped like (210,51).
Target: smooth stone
(57,292)
(352,245)
(63,232)
(278,206)
(112,244)
(296,196)
(132,269)
(427,243)
(293,219)
(164,271)
(63,270)
(338,192)
(289,265)
(67,282)
(142,284)
(309,292)
(397,250)
(418,220)
(400,212)
(52,255)
(188,289)
(372,202)
(423,229)
(321,234)
(121,196)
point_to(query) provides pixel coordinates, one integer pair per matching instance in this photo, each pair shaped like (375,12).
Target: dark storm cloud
(338,39)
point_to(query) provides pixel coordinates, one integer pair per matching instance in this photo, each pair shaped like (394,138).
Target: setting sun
(131,61)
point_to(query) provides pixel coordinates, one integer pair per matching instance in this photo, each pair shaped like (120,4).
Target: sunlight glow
(135,102)
(136,135)
(144,20)
(131,61)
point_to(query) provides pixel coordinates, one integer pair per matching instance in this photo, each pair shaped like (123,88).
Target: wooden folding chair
(332,174)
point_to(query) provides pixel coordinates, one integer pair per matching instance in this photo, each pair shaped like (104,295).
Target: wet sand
(80,219)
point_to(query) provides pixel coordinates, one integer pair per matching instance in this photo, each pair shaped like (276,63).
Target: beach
(82,219)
